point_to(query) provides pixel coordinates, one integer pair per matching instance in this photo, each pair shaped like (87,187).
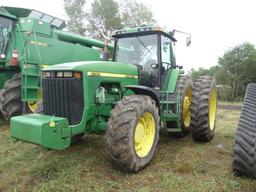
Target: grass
(232,103)
(178,165)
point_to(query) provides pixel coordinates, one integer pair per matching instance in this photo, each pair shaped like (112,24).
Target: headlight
(47,74)
(62,74)
(59,74)
(68,74)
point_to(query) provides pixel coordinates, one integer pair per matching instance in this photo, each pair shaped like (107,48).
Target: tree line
(96,18)
(93,18)
(234,71)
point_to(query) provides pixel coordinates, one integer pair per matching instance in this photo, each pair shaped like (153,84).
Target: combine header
(29,41)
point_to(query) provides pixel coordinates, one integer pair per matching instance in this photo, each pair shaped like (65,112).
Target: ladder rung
(32,74)
(173,129)
(30,87)
(168,102)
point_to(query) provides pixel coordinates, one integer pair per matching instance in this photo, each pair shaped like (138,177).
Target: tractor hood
(95,66)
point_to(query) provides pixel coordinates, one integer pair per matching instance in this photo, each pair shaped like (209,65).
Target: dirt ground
(179,165)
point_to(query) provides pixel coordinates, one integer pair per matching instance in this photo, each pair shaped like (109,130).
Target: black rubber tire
(76,139)
(184,83)
(10,97)
(199,108)
(120,147)
(244,156)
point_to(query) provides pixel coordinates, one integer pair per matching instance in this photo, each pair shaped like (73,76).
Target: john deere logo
(39,43)
(95,74)
(103,74)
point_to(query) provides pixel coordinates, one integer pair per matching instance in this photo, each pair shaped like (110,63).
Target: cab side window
(166,52)
(166,62)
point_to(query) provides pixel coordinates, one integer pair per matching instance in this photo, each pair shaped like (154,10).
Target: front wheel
(133,132)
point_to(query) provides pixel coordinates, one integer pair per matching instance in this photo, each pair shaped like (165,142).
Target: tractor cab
(150,49)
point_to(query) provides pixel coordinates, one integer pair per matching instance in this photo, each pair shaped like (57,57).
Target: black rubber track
(244,156)
(10,97)
(120,132)
(199,109)
(184,83)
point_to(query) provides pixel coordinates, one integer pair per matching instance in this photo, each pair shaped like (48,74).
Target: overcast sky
(215,25)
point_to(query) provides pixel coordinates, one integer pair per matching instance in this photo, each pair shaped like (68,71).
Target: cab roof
(142,30)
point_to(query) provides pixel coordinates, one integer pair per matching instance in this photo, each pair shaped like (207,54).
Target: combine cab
(130,99)
(29,41)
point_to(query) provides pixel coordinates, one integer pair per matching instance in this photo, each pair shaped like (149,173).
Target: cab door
(166,60)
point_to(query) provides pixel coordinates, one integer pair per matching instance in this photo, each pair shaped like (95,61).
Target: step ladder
(30,82)
(170,110)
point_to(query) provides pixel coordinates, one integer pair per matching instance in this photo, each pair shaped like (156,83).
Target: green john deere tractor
(29,41)
(130,99)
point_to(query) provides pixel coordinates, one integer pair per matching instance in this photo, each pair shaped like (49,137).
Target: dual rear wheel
(198,110)
(133,128)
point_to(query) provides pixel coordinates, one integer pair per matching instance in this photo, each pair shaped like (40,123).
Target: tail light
(14,59)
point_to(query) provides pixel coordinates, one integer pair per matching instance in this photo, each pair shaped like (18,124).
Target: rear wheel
(244,156)
(133,132)
(203,109)
(10,97)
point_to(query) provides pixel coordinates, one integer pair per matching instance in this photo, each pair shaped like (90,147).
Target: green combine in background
(130,98)
(29,41)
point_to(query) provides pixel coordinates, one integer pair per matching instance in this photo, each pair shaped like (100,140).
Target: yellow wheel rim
(186,107)
(33,105)
(144,134)
(212,108)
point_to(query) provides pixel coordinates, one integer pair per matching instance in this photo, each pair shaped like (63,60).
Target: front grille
(63,97)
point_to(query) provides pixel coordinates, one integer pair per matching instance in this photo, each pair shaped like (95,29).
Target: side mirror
(188,38)
(188,41)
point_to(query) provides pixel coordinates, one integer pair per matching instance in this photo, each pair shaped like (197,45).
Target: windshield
(138,50)
(5,28)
